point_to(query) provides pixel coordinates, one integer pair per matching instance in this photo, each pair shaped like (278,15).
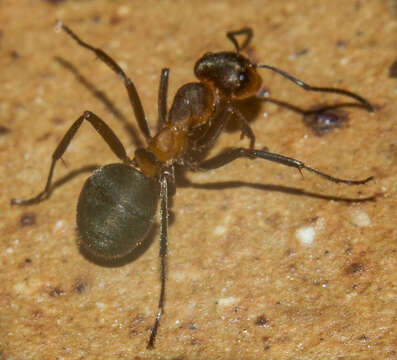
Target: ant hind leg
(100,126)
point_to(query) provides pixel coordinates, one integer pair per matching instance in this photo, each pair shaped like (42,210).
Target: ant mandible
(118,202)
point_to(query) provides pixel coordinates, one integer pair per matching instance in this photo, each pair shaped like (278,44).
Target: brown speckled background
(241,285)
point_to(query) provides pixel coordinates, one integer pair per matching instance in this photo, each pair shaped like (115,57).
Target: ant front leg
(230,155)
(100,126)
(207,140)
(202,145)
(220,121)
(244,126)
(129,85)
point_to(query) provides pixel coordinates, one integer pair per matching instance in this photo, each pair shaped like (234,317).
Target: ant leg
(199,150)
(100,126)
(219,123)
(207,140)
(211,135)
(132,93)
(163,255)
(307,87)
(162,97)
(244,127)
(247,31)
(232,154)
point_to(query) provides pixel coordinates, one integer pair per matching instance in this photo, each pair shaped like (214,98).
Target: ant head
(229,72)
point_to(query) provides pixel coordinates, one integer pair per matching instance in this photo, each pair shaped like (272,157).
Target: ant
(118,202)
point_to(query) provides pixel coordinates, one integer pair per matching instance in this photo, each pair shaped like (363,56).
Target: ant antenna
(319,89)
(247,31)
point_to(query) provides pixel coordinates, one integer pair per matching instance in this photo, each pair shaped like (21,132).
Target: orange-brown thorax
(193,106)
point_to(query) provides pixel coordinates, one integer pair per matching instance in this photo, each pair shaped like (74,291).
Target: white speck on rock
(306,235)
(360,218)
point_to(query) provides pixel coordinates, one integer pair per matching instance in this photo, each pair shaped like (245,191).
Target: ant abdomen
(230,72)
(116,210)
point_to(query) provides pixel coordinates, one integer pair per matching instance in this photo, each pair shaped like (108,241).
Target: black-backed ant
(118,202)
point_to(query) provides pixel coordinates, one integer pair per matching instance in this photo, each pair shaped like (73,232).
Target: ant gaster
(118,202)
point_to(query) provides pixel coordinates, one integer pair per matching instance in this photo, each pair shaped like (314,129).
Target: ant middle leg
(230,155)
(244,126)
(135,101)
(100,126)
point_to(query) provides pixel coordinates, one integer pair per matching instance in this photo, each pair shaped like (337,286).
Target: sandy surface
(263,263)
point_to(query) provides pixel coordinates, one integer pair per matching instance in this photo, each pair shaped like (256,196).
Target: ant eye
(241,77)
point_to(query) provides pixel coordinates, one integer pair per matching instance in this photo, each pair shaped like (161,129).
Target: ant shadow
(184,182)
(320,118)
(130,128)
